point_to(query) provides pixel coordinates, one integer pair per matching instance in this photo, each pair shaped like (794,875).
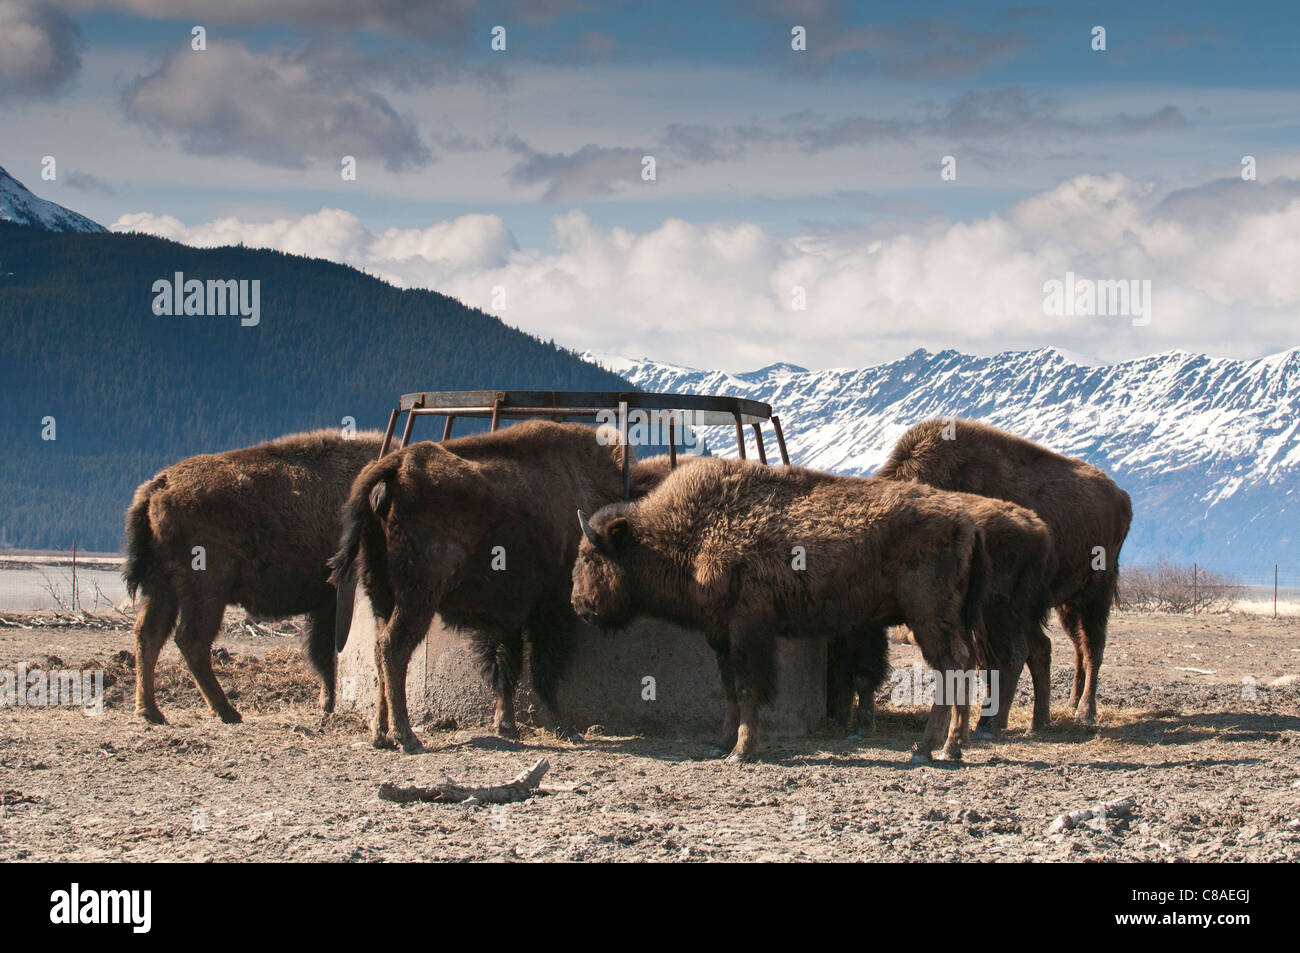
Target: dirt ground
(1212,762)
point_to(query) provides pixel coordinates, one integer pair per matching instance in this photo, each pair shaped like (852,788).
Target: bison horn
(587,531)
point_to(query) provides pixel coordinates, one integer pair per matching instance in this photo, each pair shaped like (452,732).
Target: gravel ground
(1209,760)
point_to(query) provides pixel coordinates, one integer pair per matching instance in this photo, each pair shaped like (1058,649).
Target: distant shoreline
(23,558)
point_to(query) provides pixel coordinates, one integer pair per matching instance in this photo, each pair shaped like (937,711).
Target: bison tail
(139,562)
(366,505)
(369,502)
(976,586)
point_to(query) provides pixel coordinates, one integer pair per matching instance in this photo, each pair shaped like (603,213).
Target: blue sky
(480,169)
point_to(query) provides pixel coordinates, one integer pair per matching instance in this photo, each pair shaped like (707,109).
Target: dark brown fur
(712,549)
(267,518)
(1081,505)
(1022,567)
(421,525)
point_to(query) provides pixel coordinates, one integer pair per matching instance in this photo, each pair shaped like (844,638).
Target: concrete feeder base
(606,683)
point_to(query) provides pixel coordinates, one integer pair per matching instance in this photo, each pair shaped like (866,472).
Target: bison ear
(619,533)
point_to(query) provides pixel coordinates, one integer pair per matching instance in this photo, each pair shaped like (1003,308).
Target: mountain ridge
(1209,448)
(21,206)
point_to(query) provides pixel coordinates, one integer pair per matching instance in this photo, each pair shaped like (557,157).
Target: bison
(430,528)
(251,527)
(744,553)
(1021,569)
(1088,516)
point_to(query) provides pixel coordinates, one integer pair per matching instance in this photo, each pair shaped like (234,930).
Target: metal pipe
(388,434)
(511,411)
(496,413)
(740,437)
(627,455)
(758,439)
(446,428)
(406,431)
(672,442)
(780,439)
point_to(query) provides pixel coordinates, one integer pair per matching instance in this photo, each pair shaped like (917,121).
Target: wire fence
(1196,589)
(61,581)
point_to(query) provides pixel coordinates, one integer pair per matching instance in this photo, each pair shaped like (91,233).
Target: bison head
(603,590)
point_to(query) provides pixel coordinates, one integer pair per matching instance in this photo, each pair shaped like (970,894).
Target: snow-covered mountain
(20,206)
(1209,449)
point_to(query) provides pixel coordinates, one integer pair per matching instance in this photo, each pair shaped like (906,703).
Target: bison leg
(731,721)
(551,635)
(939,641)
(934,730)
(1006,638)
(956,718)
(1094,613)
(1040,670)
(395,643)
(958,731)
(840,677)
(866,716)
(752,658)
(199,624)
(870,669)
(1085,620)
(1072,623)
(152,626)
(506,660)
(746,730)
(1009,679)
(320,650)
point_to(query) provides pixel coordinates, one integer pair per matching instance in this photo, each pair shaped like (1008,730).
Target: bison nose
(585,613)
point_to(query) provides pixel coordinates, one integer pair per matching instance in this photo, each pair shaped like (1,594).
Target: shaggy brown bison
(251,527)
(1021,569)
(1087,513)
(479,530)
(744,553)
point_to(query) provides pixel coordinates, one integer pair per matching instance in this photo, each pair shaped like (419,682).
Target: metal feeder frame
(560,406)
(496,405)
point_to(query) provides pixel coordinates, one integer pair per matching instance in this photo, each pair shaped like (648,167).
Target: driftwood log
(449,792)
(1117,808)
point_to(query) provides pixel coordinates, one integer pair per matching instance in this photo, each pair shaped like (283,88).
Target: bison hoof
(230,716)
(986,732)
(949,754)
(855,737)
(740,757)
(381,740)
(151,715)
(920,757)
(327,702)
(570,735)
(506,729)
(1086,718)
(409,744)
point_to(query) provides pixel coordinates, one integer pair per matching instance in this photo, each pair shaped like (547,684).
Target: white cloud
(719,295)
(471,241)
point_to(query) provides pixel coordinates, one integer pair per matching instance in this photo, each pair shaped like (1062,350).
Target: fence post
(1275,590)
(74,574)
(1193,588)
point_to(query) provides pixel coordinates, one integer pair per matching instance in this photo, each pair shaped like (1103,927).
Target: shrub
(1168,587)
